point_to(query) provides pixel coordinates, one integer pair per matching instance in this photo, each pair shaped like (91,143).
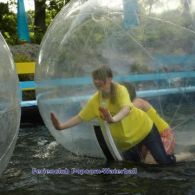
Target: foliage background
(38,20)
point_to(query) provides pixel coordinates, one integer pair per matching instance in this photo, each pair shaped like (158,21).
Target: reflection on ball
(139,41)
(9,105)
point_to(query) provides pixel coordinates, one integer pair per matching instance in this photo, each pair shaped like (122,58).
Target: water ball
(150,44)
(9,105)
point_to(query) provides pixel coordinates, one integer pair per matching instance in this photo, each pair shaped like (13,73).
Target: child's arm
(113,119)
(142,104)
(69,123)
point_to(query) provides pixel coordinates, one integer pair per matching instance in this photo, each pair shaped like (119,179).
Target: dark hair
(102,73)
(131,89)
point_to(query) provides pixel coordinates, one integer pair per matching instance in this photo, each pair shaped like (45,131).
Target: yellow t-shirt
(158,121)
(130,130)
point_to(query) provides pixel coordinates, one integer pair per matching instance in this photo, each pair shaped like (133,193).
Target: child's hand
(102,113)
(106,115)
(55,121)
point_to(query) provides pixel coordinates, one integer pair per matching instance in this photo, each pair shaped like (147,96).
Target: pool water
(37,149)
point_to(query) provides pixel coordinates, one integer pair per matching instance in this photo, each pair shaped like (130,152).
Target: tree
(8,24)
(45,11)
(55,6)
(39,20)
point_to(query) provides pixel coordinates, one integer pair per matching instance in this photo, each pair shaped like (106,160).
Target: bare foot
(149,159)
(184,156)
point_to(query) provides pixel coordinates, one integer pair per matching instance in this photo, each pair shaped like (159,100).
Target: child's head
(131,89)
(102,73)
(102,78)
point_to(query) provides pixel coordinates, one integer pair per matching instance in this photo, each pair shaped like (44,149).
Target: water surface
(37,149)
